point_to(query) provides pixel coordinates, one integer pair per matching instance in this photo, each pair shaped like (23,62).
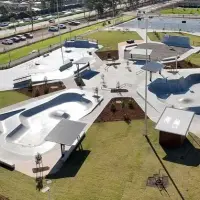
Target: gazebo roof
(175,121)
(153,67)
(142,52)
(66,132)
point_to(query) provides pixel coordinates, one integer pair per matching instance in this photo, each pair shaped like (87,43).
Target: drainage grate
(158,181)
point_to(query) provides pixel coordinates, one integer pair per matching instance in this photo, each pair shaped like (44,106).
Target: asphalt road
(27,28)
(41,34)
(44,33)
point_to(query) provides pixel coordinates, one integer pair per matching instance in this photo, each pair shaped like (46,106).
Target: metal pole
(146,127)
(60,32)
(113,9)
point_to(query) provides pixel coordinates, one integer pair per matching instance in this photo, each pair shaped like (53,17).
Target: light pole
(145,120)
(60,33)
(113,8)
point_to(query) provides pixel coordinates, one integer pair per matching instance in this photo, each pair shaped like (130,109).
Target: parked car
(62,26)
(15,39)
(28,35)
(7,42)
(40,18)
(67,12)
(27,19)
(53,28)
(74,23)
(35,18)
(52,21)
(21,37)
(4,24)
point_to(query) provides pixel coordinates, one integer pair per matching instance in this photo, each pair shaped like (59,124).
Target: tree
(3,10)
(101,5)
(53,4)
(43,4)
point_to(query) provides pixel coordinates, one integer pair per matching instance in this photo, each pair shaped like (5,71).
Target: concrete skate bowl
(38,121)
(181,93)
(163,88)
(81,44)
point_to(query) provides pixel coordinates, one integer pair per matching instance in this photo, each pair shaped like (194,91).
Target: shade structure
(175,121)
(83,60)
(153,67)
(141,52)
(66,132)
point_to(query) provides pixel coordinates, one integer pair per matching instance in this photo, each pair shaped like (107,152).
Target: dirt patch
(3,198)
(111,54)
(121,109)
(39,90)
(183,65)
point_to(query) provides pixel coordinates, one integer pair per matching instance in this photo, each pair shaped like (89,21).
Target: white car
(27,19)
(68,13)
(40,18)
(62,26)
(53,28)
(21,37)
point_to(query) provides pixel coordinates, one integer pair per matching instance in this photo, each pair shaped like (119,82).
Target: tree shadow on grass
(187,154)
(71,166)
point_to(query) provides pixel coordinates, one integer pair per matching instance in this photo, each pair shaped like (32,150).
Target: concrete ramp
(176,41)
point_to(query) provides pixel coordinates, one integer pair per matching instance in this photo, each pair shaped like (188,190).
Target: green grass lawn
(8,98)
(181,11)
(194,59)
(24,51)
(194,40)
(110,39)
(115,165)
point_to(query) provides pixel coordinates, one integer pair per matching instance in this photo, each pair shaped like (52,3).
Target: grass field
(181,11)
(11,97)
(24,51)
(194,40)
(115,165)
(194,59)
(110,39)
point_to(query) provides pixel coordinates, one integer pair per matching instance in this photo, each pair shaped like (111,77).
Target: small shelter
(153,67)
(140,54)
(66,133)
(83,61)
(174,125)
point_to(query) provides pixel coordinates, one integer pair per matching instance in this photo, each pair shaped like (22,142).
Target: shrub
(46,90)
(127,119)
(113,108)
(123,104)
(130,104)
(30,87)
(37,93)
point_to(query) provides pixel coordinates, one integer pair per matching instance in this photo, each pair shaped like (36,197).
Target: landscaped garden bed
(184,64)
(121,109)
(3,198)
(38,90)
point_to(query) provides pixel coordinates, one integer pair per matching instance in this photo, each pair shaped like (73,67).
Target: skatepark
(31,124)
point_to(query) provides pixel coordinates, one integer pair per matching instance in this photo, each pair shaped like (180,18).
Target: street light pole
(60,32)
(113,9)
(146,126)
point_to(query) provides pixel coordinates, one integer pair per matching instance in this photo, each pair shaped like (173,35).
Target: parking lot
(40,35)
